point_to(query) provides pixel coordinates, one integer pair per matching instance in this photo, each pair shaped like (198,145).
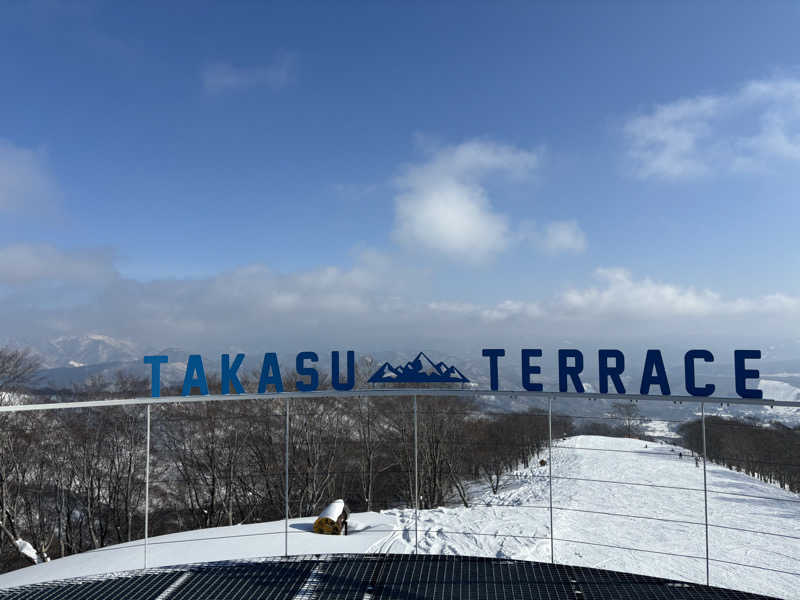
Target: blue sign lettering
(573,372)
(424,370)
(605,371)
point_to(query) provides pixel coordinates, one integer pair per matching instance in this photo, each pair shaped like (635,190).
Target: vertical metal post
(286,483)
(147,487)
(416,480)
(705,487)
(550,465)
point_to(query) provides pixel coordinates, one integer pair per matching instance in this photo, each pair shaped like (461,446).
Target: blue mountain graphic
(420,370)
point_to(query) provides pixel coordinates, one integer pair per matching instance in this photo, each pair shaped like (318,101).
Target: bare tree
(18,368)
(629,414)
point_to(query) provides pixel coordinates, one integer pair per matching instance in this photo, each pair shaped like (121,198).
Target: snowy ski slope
(492,528)
(515,523)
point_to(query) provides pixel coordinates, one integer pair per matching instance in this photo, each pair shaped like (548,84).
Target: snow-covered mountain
(779,390)
(72,360)
(82,350)
(13,398)
(619,504)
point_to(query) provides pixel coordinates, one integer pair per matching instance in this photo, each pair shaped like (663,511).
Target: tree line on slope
(73,480)
(770,453)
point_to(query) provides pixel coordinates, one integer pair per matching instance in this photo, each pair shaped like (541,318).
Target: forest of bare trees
(73,480)
(771,454)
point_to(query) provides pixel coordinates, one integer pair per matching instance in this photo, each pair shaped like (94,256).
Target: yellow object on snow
(333,519)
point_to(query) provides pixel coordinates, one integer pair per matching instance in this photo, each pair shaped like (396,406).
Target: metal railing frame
(413,393)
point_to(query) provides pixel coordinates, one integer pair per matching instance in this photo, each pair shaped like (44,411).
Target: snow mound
(27,549)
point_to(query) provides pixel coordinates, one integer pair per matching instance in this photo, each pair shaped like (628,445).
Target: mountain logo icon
(420,370)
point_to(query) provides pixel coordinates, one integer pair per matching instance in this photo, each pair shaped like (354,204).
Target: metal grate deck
(374,577)
(145,586)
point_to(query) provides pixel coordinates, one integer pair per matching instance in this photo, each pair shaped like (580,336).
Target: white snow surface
(659,429)
(613,459)
(515,523)
(205,545)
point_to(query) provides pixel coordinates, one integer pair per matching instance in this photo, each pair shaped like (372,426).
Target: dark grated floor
(372,577)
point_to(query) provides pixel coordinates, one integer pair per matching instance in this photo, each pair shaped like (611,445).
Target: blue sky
(388,172)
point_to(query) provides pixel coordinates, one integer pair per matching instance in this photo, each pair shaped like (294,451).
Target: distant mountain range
(72,360)
(90,349)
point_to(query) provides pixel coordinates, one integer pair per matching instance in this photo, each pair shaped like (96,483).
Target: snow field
(616,521)
(207,545)
(504,530)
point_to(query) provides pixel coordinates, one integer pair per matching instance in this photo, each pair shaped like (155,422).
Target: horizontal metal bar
(399,392)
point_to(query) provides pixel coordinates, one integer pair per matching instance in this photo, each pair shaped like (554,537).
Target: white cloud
(458,308)
(444,208)
(25,182)
(377,303)
(502,311)
(621,296)
(665,142)
(221,77)
(555,237)
(27,263)
(512,308)
(749,128)
(564,236)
